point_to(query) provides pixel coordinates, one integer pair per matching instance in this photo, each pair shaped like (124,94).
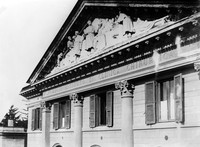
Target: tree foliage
(19,118)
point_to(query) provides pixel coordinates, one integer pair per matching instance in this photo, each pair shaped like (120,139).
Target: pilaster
(78,118)
(46,114)
(127,112)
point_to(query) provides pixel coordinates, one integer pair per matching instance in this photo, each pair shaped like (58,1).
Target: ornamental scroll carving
(45,105)
(125,88)
(76,98)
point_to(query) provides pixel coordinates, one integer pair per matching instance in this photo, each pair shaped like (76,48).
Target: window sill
(158,125)
(103,129)
(37,130)
(61,130)
(99,128)
(34,131)
(166,121)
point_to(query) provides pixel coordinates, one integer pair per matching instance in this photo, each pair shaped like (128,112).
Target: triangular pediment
(122,21)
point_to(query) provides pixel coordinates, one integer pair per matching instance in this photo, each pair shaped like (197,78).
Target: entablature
(169,38)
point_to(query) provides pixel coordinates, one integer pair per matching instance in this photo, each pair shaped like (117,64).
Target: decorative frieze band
(125,88)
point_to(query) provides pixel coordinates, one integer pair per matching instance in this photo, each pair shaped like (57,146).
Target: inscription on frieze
(168,55)
(108,74)
(189,49)
(163,57)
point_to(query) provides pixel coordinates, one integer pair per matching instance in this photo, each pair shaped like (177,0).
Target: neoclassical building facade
(119,73)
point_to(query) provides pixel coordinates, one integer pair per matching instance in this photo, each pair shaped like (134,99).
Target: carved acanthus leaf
(45,105)
(125,87)
(197,66)
(76,98)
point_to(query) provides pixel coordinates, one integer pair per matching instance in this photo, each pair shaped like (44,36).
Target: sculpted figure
(89,33)
(78,40)
(70,43)
(144,25)
(59,58)
(114,32)
(127,24)
(96,24)
(100,38)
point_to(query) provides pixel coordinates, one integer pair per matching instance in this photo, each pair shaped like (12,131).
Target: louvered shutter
(56,116)
(37,118)
(33,120)
(178,93)
(150,103)
(40,119)
(109,108)
(92,111)
(68,114)
(97,110)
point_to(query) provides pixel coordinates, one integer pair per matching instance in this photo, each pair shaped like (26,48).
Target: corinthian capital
(45,105)
(76,98)
(125,87)
(197,66)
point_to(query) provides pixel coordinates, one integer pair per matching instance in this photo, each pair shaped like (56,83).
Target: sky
(27,27)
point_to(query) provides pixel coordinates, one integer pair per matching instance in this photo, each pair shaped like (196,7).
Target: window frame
(58,116)
(158,100)
(36,123)
(101,117)
(178,100)
(62,113)
(95,119)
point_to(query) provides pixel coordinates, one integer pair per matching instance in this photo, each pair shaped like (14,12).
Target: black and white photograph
(99,73)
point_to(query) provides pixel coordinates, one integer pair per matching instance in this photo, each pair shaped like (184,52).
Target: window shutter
(178,93)
(109,108)
(37,119)
(33,120)
(56,116)
(150,103)
(40,119)
(68,114)
(92,111)
(97,110)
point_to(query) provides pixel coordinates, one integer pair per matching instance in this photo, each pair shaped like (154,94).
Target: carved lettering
(111,73)
(168,55)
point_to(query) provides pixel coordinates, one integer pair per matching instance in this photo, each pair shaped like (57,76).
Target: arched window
(57,145)
(95,145)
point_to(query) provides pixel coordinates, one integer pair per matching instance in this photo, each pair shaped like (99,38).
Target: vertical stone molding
(127,112)
(46,115)
(78,118)
(197,66)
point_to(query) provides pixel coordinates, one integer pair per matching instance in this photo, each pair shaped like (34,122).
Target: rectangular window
(101,109)
(36,119)
(164,100)
(62,114)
